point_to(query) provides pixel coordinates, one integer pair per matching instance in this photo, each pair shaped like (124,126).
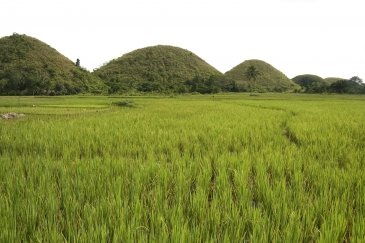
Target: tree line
(313,84)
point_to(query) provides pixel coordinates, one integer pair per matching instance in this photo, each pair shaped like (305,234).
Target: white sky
(320,37)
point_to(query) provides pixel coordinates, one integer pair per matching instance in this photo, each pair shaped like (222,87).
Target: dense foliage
(315,84)
(155,69)
(211,84)
(353,85)
(31,67)
(331,80)
(257,75)
(311,83)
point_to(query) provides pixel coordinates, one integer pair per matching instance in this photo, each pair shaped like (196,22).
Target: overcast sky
(320,37)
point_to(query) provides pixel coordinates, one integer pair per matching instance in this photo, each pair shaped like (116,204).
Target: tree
(339,86)
(356,79)
(252,73)
(346,86)
(311,83)
(3,85)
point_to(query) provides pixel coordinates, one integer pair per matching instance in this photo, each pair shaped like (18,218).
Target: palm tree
(252,73)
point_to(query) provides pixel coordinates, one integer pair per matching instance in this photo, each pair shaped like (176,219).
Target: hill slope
(31,67)
(267,77)
(311,83)
(156,68)
(331,80)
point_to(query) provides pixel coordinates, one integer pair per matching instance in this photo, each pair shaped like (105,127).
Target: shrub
(125,103)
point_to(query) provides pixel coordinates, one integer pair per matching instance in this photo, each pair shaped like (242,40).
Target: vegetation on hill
(310,83)
(31,67)
(331,80)
(257,75)
(315,84)
(353,85)
(158,69)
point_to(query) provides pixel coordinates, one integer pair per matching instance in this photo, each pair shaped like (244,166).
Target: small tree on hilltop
(356,79)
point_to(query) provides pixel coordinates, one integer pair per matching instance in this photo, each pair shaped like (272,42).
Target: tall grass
(188,169)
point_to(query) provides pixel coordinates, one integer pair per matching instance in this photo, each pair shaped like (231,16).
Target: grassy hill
(311,83)
(157,68)
(331,80)
(267,77)
(307,78)
(31,67)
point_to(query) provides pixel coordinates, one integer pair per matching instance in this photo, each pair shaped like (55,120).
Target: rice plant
(232,168)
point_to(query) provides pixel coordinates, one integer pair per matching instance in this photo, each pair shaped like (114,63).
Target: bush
(125,103)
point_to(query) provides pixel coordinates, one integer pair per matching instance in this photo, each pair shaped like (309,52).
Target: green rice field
(193,168)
